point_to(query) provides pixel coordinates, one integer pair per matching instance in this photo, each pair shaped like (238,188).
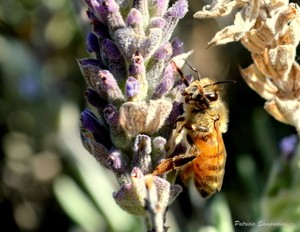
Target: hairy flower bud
(157,22)
(172,16)
(166,82)
(135,20)
(110,87)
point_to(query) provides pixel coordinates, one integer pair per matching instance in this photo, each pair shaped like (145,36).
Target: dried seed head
(270,31)
(146,118)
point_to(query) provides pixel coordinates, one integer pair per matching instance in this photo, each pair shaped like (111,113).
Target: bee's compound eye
(211,96)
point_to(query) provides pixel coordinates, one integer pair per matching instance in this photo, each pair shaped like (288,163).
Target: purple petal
(89,120)
(92,43)
(132,87)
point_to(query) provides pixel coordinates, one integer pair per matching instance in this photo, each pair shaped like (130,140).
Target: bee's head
(202,94)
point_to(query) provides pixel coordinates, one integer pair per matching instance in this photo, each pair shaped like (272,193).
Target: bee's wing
(221,159)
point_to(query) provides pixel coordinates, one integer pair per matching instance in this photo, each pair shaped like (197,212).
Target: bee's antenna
(195,70)
(220,82)
(183,78)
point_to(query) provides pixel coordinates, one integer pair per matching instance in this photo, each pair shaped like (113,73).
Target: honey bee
(200,128)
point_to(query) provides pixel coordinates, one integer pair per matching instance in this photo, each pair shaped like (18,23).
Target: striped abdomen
(209,165)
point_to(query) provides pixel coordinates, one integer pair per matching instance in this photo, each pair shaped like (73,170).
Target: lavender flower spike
(132,89)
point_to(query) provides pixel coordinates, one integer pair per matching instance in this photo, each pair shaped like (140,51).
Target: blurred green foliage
(50,183)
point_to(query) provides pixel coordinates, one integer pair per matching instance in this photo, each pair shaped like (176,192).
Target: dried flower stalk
(270,30)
